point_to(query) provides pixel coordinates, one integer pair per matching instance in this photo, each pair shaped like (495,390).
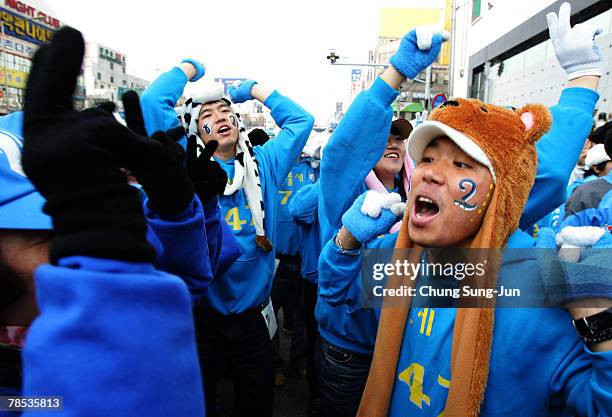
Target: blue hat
(20,204)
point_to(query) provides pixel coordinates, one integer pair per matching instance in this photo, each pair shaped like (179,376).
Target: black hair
(395,131)
(258,136)
(608,143)
(599,135)
(600,167)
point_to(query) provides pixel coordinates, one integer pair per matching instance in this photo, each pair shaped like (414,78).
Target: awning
(408,107)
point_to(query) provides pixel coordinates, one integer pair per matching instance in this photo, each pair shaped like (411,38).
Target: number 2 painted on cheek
(463,202)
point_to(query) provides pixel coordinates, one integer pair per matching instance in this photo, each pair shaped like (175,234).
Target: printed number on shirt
(427,318)
(414,376)
(232,217)
(286,195)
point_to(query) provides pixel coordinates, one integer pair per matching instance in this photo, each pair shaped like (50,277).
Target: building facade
(502,53)
(23,28)
(394,23)
(105,75)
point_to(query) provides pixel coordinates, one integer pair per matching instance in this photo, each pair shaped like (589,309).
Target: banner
(18,47)
(13,78)
(25,29)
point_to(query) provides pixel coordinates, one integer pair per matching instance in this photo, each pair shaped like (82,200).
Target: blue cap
(20,204)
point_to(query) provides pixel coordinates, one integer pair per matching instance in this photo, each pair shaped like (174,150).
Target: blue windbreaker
(113,338)
(248,282)
(528,374)
(303,209)
(288,242)
(590,204)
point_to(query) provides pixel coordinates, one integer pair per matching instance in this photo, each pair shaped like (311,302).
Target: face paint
(232,120)
(463,201)
(207,129)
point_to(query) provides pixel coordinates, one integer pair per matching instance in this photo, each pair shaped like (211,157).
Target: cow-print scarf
(246,170)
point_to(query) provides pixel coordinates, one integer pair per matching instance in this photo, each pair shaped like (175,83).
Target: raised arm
(281,153)
(160,98)
(106,314)
(360,139)
(578,53)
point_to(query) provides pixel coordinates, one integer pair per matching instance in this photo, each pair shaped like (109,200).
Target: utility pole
(451,67)
(427,87)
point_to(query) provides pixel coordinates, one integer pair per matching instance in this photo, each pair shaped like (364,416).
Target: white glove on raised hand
(575,47)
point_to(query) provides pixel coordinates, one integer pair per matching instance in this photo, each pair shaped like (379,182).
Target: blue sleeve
(558,151)
(223,247)
(159,99)
(583,382)
(282,152)
(337,273)
(104,332)
(303,205)
(185,246)
(340,273)
(353,150)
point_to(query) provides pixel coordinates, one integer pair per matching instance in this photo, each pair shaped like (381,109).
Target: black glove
(74,159)
(207,175)
(164,178)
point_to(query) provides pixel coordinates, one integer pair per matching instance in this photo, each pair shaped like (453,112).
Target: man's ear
(537,121)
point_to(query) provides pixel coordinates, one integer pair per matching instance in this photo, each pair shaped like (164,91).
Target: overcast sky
(281,43)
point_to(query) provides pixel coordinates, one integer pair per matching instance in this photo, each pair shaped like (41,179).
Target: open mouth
(424,210)
(392,155)
(223,129)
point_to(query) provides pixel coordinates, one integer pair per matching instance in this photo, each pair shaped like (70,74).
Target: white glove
(577,238)
(575,47)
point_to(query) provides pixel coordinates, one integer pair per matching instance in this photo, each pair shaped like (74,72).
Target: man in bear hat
(447,231)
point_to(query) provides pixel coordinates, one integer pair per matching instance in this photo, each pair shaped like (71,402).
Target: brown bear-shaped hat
(504,141)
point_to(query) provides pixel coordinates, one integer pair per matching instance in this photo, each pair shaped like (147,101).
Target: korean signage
(17,47)
(227,82)
(13,78)
(22,28)
(32,13)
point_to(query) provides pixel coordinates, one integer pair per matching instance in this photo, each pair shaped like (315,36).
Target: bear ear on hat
(537,121)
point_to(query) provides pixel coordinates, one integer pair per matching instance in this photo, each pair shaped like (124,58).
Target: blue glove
(240,91)
(418,50)
(582,267)
(373,214)
(200,70)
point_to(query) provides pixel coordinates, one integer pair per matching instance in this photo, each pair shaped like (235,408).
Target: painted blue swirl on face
(207,129)
(463,202)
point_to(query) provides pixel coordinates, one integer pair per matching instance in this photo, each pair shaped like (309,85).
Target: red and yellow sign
(22,28)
